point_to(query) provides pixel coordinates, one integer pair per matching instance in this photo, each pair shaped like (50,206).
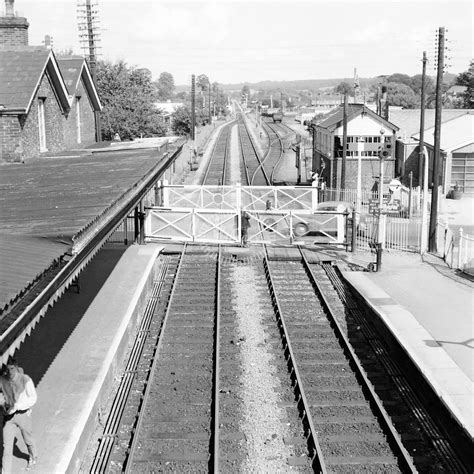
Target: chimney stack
(9,8)
(13,29)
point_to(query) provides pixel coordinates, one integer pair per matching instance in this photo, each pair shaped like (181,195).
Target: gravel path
(261,420)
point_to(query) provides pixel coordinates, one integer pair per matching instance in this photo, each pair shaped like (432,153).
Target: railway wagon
(277,117)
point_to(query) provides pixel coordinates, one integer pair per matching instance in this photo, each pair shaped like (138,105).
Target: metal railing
(456,248)
(409,203)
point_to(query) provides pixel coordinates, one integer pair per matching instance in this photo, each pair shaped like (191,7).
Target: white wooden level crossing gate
(276,214)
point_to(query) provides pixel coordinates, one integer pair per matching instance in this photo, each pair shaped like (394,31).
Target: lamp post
(359,174)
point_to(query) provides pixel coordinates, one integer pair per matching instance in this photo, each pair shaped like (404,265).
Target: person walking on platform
(19,395)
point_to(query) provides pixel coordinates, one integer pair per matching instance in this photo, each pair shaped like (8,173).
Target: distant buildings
(167,109)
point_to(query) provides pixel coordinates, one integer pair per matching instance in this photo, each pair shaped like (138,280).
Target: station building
(366,132)
(47,105)
(456,147)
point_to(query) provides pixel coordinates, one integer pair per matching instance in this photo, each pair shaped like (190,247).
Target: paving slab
(420,328)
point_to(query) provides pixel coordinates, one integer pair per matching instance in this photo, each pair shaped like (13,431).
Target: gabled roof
(455,133)
(409,119)
(334,119)
(21,72)
(73,69)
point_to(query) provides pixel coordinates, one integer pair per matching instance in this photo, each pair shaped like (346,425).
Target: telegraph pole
(88,20)
(423,162)
(210,115)
(344,143)
(422,122)
(437,139)
(193,106)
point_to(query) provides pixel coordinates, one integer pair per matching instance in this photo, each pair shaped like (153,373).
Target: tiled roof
(409,119)
(71,69)
(455,133)
(46,201)
(334,119)
(20,71)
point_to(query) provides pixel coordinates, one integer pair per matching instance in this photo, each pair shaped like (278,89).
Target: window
(78,120)
(41,125)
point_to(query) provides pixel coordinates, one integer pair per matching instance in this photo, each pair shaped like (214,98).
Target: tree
(466,79)
(245,94)
(202,82)
(181,121)
(165,86)
(416,84)
(401,95)
(127,95)
(64,53)
(400,79)
(344,88)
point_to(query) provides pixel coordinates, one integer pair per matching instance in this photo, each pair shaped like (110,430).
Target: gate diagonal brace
(254,199)
(295,199)
(216,226)
(182,198)
(267,227)
(171,224)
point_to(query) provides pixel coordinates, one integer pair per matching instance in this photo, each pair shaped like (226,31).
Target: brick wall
(61,132)
(87,121)
(13,31)
(53,117)
(9,138)
(370,168)
(25,129)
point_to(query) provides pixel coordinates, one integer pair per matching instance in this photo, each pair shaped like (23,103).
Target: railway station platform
(428,308)
(74,386)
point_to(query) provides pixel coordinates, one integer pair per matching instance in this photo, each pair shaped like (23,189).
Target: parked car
(332,224)
(340,206)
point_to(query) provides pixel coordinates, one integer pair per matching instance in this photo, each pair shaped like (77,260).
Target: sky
(249,41)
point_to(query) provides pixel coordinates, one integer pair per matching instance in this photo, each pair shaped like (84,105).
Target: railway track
(218,168)
(275,148)
(243,362)
(252,171)
(347,426)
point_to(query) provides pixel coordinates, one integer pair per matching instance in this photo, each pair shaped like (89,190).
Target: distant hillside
(305,84)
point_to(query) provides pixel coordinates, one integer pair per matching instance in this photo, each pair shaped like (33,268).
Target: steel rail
(227,154)
(317,459)
(146,395)
(438,439)
(211,157)
(255,152)
(224,131)
(267,155)
(217,331)
(402,454)
(108,438)
(243,154)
